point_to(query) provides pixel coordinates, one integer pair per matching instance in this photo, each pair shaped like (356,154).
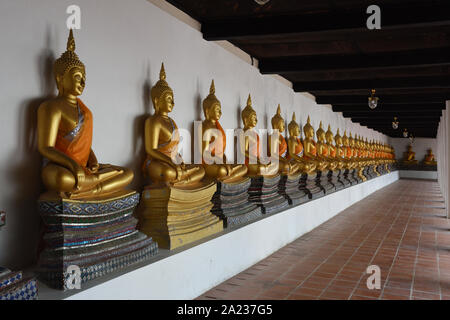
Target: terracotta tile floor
(402,228)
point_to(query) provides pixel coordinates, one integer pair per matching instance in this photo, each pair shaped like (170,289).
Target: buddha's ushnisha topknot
(68,59)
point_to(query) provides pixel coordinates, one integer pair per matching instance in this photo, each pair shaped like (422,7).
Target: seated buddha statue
(287,167)
(220,171)
(340,153)
(429,159)
(409,157)
(323,149)
(65,127)
(333,149)
(251,146)
(310,152)
(295,147)
(164,164)
(348,151)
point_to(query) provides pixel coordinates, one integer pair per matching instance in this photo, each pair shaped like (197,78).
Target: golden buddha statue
(162,139)
(65,127)
(429,159)
(286,166)
(348,151)
(340,153)
(323,149)
(295,147)
(409,156)
(333,150)
(252,145)
(310,151)
(216,149)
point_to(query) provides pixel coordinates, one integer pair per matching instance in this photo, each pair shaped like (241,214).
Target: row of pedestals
(103,235)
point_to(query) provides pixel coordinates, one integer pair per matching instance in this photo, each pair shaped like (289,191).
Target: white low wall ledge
(191,272)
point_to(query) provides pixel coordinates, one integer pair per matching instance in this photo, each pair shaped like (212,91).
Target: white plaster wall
(122,44)
(420,146)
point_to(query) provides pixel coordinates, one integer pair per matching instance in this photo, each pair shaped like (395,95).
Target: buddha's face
(294,131)
(251,120)
(321,136)
(165,103)
(72,82)
(338,141)
(309,132)
(214,112)
(279,125)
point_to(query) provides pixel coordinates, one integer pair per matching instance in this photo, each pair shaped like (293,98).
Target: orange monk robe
(332,152)
(298,150)
(169,148)
(220,147)
(313,151)
(80,147)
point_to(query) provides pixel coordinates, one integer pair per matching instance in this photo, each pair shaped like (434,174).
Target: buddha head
(345,140)
(293,127)
(69,71)
(338,139)
(329,135)
(278,121)
(211,105)
(351,141)
(162,94)
(320,133)
(249,115)
(308,129)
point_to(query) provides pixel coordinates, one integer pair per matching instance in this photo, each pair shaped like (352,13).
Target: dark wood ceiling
(323,47)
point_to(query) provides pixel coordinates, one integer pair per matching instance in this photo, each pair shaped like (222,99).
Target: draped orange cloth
(80,147)
(332,151)
(298,149)
(313,150)
(169,148)
(283,146)
(349,152)
(224,143)
(325,151)
(341,153)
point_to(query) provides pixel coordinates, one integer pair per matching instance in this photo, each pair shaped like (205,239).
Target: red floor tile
(402,228)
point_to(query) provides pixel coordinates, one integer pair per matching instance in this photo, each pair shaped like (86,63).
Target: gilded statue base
(324,183)
(177,216)
(264,192)
(289,188)
(232,205)
(13,286)
(308,184)
(97,235)
(333,178)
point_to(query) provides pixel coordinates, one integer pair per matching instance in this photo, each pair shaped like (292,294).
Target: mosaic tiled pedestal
(13,286)
(323,182)
(232,205)
(308,184)
(333,178)
(98,236)
(289,188)
(264,192)
(343,180)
